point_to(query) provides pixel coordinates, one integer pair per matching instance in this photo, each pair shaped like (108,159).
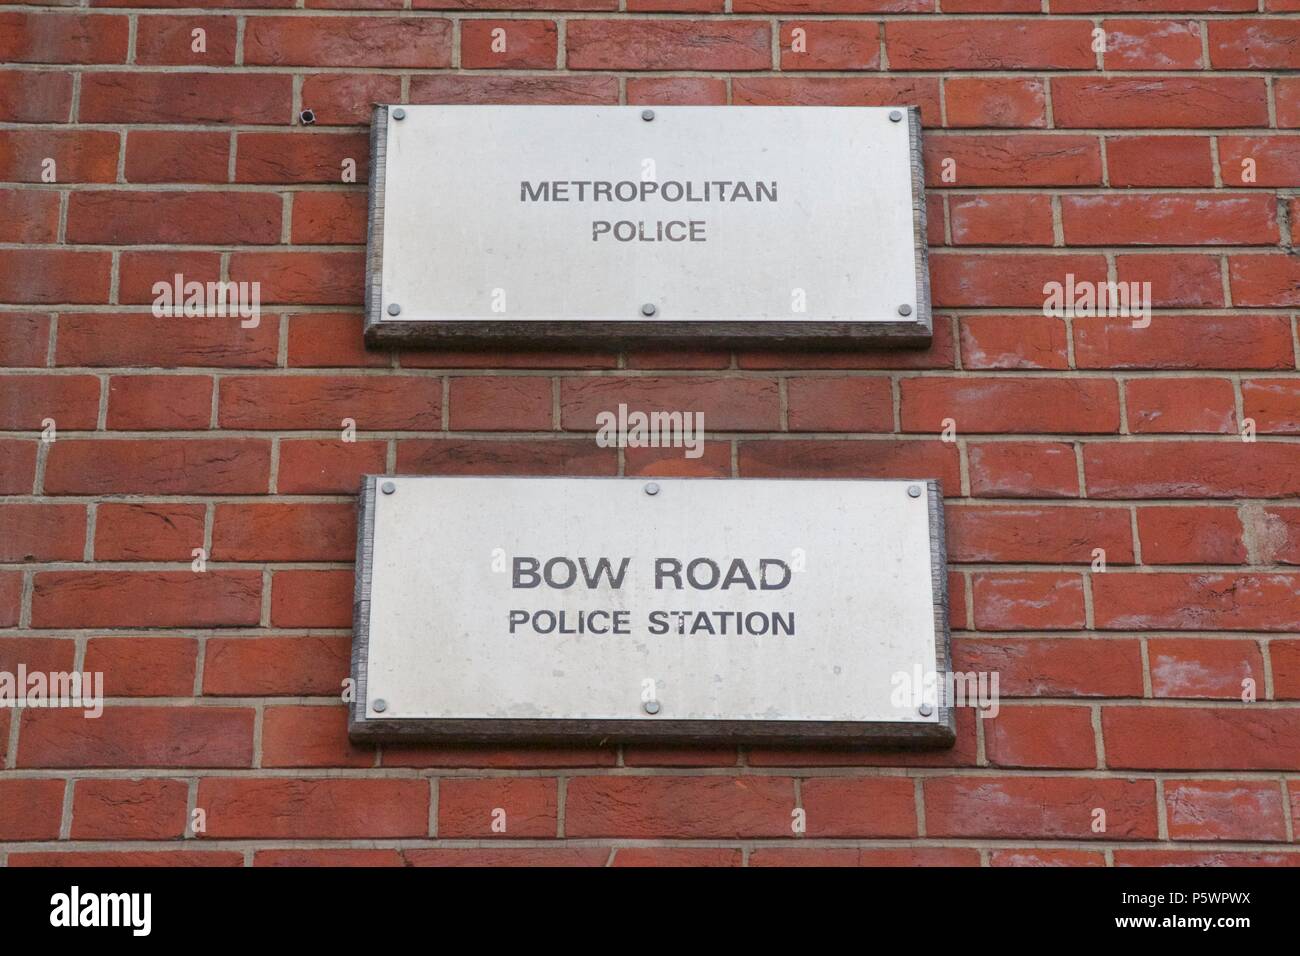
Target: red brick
(163,40)
(1204,668)
(347,99)
(991,219)
(1276,533)
(676,90)
(960,44)
(849,856)
(1240,737)
(668,45)
(310,737)
(1053,534)
(964,280)
(1286,93)
(30,809)
(1190,535)
(1275,160)
(1055,667)
(498,757)
(1159,160)
(286,666)
(178,97)
(137,737)
(330,340)
(455,88)
(1175,601)
(24,340)
(423,42)
(468,808)
(101,339)
(528,44)
(29,216)
(312,598)
(1159,102)
(984,405)
(146,599)
(26,401)
(1224,810)
(38,653)
(1243,341)
(54,275)
(1214,469)
(284,532)
(128,858)
(1268,44)
(159,402)
(310,466)
(31,96)
(703,807)
(79,156)
(330,218)
(1177,279)
(1180,220)
(728,403)
(677,856)
(47,37)
(1013,102)
(1273,404)
(144,809)
(500,403)
(322,402)
(1052,737)
(1174,405)
(229,466)
(1023,470)
(163,156)
(141,271)
(157,531)
(1012,601)
(830,45)
(1013,159)
(301,157)
(885,458)
(42,532)
(144,666)
(301,858)
(505,457)
(1264,279)
(308,278)
(1030,857)
(566,856)
(1152,44)
(289,809)
(838,91)
(859,807)
(839,404)
(1040,807)
(1013,342)
(11,590)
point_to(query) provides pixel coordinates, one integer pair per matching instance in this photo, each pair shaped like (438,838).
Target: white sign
(492,608)
(614,222)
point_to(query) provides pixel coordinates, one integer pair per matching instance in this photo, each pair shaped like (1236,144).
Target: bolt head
(648,115)
(379,706)
(394,309)
(651,707)
(914,491)
(388,487)
(399,114)
(895,116)
(648,309)
(925,710)
(652,489)
(307,117)
(904,310)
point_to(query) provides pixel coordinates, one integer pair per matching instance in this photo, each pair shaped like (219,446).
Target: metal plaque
(612,224)
(586,609)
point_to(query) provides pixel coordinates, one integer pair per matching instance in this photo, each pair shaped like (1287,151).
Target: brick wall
(1122,689)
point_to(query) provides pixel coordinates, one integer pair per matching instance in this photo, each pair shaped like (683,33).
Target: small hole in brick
(308,117)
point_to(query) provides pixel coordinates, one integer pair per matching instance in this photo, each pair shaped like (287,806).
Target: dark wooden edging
(915,331)
(861,734)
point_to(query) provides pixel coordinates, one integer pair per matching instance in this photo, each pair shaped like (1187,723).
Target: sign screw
(895,116)
(651,707)
(648,115)
(652,489)
(388,488)
(648,309)
(394,309)
(914,491)
(399,114)
(904,310)
(925,710)
(379,706)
